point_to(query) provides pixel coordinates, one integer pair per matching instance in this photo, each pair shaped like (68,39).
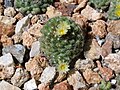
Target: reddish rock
(18,16)
(106,48)
(34,19)
(99,28)
(43,86)
(62,86)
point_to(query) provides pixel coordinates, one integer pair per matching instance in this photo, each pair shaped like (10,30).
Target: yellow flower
(62,28)
(117,13)
(118,6)
(63,67)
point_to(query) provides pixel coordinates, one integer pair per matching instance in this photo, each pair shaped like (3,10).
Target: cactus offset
(32,6)
(62,40)
(105,85)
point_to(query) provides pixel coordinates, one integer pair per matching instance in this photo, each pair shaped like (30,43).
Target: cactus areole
(62,40)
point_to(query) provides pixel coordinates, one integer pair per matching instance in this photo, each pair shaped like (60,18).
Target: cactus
(100,4)
(105,85)
(62,40)
(114,10)
(32,6)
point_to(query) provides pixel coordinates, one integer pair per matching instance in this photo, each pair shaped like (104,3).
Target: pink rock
(34,19)
(43,86)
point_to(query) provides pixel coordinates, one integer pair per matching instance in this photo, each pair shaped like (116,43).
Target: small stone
(6,60)
(16,50)
(21,23)
(76,81)
(34,19)
(36,66)
(43,86)
(90,13)
(66,9)
(6,29)
(92,49)
(35,30)
(113,81)
(28,39)
(8,3)
(30,85)
(66,1)
(106,48)
(1,1)
(81,5)
(6,41)
(51,12)
(99,28)
(35,49)
(19,16)
(43,18)
(1,9)
(10,11)
(114,27)
(7,20)
(113,61)
(7,86)
(91,77)
(20,77)
(17,38)
(48,74)
(62,86)
(115,39)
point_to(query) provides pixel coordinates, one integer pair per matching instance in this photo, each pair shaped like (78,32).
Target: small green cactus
(32,6)
(100,4)
(114,10)
(62,40)
(105,85)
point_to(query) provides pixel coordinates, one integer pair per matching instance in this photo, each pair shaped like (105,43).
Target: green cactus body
(114,10)
(105,85)
(100,4)
(62,39)
(32,6)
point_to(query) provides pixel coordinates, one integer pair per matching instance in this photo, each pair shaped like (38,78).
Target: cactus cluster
(105,85)
(100,4)
(114,10)
(32,6)
(62,40)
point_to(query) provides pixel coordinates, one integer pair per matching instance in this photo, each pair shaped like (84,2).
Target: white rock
(6,60)
(20,24)
(113,81)
(48,74)
(10,11)
(6,86)
(35,50)
(30,85)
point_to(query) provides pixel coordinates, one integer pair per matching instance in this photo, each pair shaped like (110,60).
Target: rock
(20,77)
(115,39)
(43,18)
(19,16)
(34,19)
(1,1)
(10,11)
(62,86)
(76,81)
(30,85)
(16,50)
(91,77)
(66,9)
(66,1)
(27,39)
(51,12)
(17,38)
(6,60)
(100,41)
(1,9)
(79,19)
(90,13)
(60,77)
(7,86)
(21,23)
(36,66)
(105,72)
(99,28)
(106,48)
(8,3)
(113,81)
(92,50)
(82,65)
(43,86)
(114,27)
(6,29)
(35,49)
(7,20)
(48,74)
(6,41)
(35,30)
(81,5)
(113,61)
